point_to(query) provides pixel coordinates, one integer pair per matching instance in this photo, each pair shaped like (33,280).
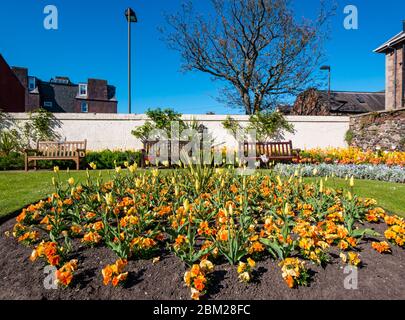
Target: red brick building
(21,92)
(12,92)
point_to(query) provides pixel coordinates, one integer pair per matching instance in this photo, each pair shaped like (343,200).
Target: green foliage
(12,161)
(232,125)
(43,123)
(268,125)
(349,137)
(108,159)
(105,159)
(159,119)
(7,142)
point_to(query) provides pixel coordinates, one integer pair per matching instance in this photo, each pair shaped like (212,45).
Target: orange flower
(223,235)
(381,247)
(195,270)
(290,281)
(64,278)
(199,283)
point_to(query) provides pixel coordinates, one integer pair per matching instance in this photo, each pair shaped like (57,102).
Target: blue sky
(92,35)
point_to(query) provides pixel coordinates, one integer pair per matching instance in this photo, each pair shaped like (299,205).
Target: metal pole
(129,62)
(329,85)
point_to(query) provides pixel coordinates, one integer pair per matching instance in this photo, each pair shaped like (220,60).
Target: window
(31,83)
(48,104)
(85,107)
(82,89)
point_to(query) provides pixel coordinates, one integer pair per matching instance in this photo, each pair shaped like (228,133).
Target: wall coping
(377,112)
(187,117)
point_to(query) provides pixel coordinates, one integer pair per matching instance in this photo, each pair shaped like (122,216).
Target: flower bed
(204,218)
(360,171)
(352,156)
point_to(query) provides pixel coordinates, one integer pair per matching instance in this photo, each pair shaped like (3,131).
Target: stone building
(313,102)
(394,50)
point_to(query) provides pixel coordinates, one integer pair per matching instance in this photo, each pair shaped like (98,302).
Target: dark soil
(381,277)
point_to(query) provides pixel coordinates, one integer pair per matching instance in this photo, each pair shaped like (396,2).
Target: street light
(327,68)
(131,18)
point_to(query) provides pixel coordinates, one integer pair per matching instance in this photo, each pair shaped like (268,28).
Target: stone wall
(385,130)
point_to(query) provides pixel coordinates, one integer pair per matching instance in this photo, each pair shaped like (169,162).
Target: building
(12,92)
(314,102)
(394,50)
(59,94)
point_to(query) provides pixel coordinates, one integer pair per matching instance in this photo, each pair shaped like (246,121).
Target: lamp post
(327,68)
(131,18)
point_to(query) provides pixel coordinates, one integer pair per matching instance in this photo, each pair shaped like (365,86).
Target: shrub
(105,159)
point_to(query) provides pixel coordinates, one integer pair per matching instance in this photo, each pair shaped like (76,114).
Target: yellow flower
(187,278)
(241,267)
(354,258)
(133,168)
(244,277)
(93,165)
(206,266)
(195,294)
(251,262)
(118,169)
(56,169)
(71,181)
(109,199)
(351,183)
(186,206)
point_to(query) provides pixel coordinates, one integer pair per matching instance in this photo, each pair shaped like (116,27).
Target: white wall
(113,131)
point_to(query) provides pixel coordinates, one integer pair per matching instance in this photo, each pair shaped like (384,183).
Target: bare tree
(256,47)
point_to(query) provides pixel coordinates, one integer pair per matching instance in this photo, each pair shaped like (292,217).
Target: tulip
(186,205)
(93,165)
(349,195)
(118,169)
(109,199)
(53,181)
(176,191)
(71,181)
(351,183)
(286,208)
(133,168)
(138,182)
(126,164)
(56,169)
(230,210)
(321,186)
(280,183)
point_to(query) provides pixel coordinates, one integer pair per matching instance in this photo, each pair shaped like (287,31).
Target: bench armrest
(30,151)
(296,152)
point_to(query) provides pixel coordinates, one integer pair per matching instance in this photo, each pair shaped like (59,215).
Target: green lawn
(18,189)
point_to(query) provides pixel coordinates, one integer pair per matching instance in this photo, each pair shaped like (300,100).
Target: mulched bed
(381,277)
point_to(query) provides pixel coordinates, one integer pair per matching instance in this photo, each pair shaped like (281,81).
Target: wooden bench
(48,150)
(149,147)
(274,151)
